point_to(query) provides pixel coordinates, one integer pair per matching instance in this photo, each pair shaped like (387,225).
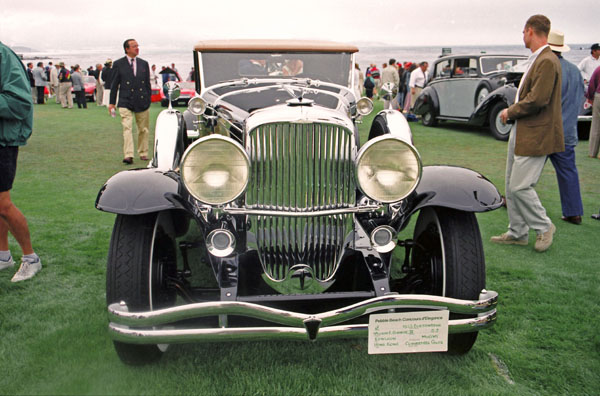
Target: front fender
(391,122)
(427,101)
(506,94)
(455,187)
(170,140)
(137,191)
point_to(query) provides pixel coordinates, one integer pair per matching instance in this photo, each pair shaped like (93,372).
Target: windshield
(328,67)
(491,64)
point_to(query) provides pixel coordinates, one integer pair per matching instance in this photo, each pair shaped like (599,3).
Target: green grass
(53,337)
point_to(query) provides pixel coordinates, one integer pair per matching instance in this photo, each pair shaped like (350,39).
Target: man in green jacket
(16,121)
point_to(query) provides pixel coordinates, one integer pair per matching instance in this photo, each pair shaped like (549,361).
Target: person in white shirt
(418,79)
(590,63)
(54,82)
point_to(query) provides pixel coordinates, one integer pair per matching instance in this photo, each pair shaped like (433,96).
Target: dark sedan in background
(458,86)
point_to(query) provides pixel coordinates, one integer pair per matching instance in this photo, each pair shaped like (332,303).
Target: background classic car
(459,83)
(272,221)
(186,88)
(505,95)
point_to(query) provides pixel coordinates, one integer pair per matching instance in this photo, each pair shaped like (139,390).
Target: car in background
(89,85)
(505,96)
(187,90)
(458,86)
(155,97)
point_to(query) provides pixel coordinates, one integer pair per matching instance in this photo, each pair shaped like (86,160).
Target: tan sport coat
(538,111)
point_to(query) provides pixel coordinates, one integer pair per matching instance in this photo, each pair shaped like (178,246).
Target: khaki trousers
(99,94)
(56,93)
(524,208)
(64,91)
(595,127)
(413,97)
(142,120)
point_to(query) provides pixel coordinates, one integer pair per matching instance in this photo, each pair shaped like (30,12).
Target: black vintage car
(460,83)
(263,217)
(505,95)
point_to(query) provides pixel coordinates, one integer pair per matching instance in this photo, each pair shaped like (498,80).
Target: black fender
(456,188)
(138,191)
(427,101)
(506,94)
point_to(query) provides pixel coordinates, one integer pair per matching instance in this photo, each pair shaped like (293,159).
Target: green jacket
(16,104)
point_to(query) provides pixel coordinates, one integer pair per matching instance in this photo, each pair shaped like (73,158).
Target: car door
(459,89)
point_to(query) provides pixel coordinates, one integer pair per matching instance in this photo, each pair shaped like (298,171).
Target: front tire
(499,130)
(448,254)
(141,258)
(428,119)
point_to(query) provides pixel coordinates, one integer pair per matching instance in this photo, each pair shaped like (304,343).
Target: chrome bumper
(153,327)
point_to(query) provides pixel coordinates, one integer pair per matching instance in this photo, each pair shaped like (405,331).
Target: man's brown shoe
(544,240)
(144,158)
(508,239)
(572,219)
(128,160)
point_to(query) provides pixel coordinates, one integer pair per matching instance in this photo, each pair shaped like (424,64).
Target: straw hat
(556,41)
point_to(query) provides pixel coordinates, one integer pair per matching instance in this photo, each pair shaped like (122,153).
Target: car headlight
(215,170)
(197,106)
(364,106)
(388,169)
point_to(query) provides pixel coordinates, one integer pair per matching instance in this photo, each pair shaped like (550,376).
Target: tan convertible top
(273,46)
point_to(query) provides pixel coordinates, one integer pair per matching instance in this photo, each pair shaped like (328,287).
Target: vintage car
(505,96)
(156,94)
(89,86)
(268,219)
(459,83)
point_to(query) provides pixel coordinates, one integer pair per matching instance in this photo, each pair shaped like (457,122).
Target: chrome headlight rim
(371,143)
(364,106)
(204,140)
(197,106)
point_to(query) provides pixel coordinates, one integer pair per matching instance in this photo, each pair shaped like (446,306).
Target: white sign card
(408,332)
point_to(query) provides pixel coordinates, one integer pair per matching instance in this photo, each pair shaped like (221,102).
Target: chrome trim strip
(311,213)
(118,312)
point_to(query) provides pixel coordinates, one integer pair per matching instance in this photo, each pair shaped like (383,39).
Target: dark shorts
(8,166)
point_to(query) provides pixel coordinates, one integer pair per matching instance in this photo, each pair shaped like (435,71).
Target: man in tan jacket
(536,133)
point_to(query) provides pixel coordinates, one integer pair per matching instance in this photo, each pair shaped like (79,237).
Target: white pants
(524,208)
(106,97)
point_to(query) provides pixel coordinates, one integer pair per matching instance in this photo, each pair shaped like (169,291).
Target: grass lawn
(53,328)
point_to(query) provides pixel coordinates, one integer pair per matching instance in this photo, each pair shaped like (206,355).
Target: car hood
(305,114)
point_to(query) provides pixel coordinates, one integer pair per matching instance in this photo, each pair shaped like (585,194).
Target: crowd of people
(58,81)
(397,84)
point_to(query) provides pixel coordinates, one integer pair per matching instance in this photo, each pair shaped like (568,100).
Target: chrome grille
(302,169)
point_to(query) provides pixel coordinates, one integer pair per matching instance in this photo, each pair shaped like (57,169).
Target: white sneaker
(6,264)
(27,270)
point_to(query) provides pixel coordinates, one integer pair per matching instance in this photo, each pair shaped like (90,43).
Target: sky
(46,25)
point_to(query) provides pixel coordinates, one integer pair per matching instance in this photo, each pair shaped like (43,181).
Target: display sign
(408,332)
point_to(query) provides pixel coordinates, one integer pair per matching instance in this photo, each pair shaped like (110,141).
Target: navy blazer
(134,91)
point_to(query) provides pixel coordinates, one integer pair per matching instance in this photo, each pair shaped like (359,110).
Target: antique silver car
(264,217)
(460,83)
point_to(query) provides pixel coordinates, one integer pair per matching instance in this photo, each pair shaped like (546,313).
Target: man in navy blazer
(131,81)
